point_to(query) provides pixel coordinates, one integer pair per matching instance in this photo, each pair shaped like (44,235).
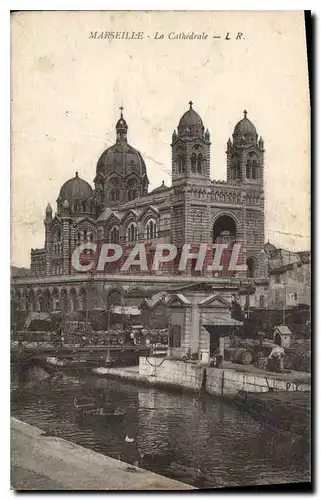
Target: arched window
(57,245)
(193,163)
(76,206)
(46,301)
(252,171)
(132,194)
(32,301)
(82,300)
(132,232)
(73,300)
(114,235)
(199,163)
(181,163)
(151,229)
(235,168)
(90,238)
(64,300)
(114,195)
(55,297)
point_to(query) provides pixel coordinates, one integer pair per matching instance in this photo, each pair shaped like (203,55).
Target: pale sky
(67,88)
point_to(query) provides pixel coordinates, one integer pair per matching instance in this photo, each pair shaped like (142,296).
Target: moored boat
(88,411)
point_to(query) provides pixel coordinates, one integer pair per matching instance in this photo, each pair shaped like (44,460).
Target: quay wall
(48,463)
(216,381)
(172,372)
(229,382)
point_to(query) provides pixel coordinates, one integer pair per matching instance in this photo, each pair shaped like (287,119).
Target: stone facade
(289,279)
(194,210)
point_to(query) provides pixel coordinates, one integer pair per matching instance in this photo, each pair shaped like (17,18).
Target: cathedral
(120,209)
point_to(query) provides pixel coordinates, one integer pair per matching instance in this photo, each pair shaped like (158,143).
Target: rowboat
(88,411)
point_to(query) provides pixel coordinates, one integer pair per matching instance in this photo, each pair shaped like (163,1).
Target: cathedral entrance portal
(224,230)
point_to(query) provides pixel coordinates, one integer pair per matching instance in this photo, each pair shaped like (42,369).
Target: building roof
(158,298)
(220,326)
(284,268)
(107,213)
(215,298)
(284,330)
(180,298)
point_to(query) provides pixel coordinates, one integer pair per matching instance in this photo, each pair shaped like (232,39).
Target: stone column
(66,264)
(72,244)
(48,246)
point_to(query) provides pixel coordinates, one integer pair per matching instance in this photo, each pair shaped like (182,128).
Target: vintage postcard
(160,250)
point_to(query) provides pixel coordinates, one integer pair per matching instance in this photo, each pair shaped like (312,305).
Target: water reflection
(201,441)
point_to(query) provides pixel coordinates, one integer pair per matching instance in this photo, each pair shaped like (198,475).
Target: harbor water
(202,441)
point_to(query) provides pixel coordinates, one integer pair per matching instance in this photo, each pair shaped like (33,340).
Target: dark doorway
(224,228)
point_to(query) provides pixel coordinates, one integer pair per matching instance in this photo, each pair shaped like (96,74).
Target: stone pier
(49,463)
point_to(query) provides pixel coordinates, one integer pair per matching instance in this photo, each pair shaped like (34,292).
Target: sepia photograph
(160,307)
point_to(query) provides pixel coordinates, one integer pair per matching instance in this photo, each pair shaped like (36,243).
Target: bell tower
(190,149)
(245,155)
(191,182)
(245,171)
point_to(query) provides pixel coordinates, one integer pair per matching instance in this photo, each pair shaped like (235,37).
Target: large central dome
(121,171)
(121,158)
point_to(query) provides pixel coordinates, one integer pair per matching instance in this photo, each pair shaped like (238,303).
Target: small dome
(48,209)
(160,188)
(121,123)
(65,204)
(191,123)
(76,188)
(245,127)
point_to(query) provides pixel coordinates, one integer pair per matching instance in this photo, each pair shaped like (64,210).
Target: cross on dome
(121,111)
(190,104)
(245,113)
